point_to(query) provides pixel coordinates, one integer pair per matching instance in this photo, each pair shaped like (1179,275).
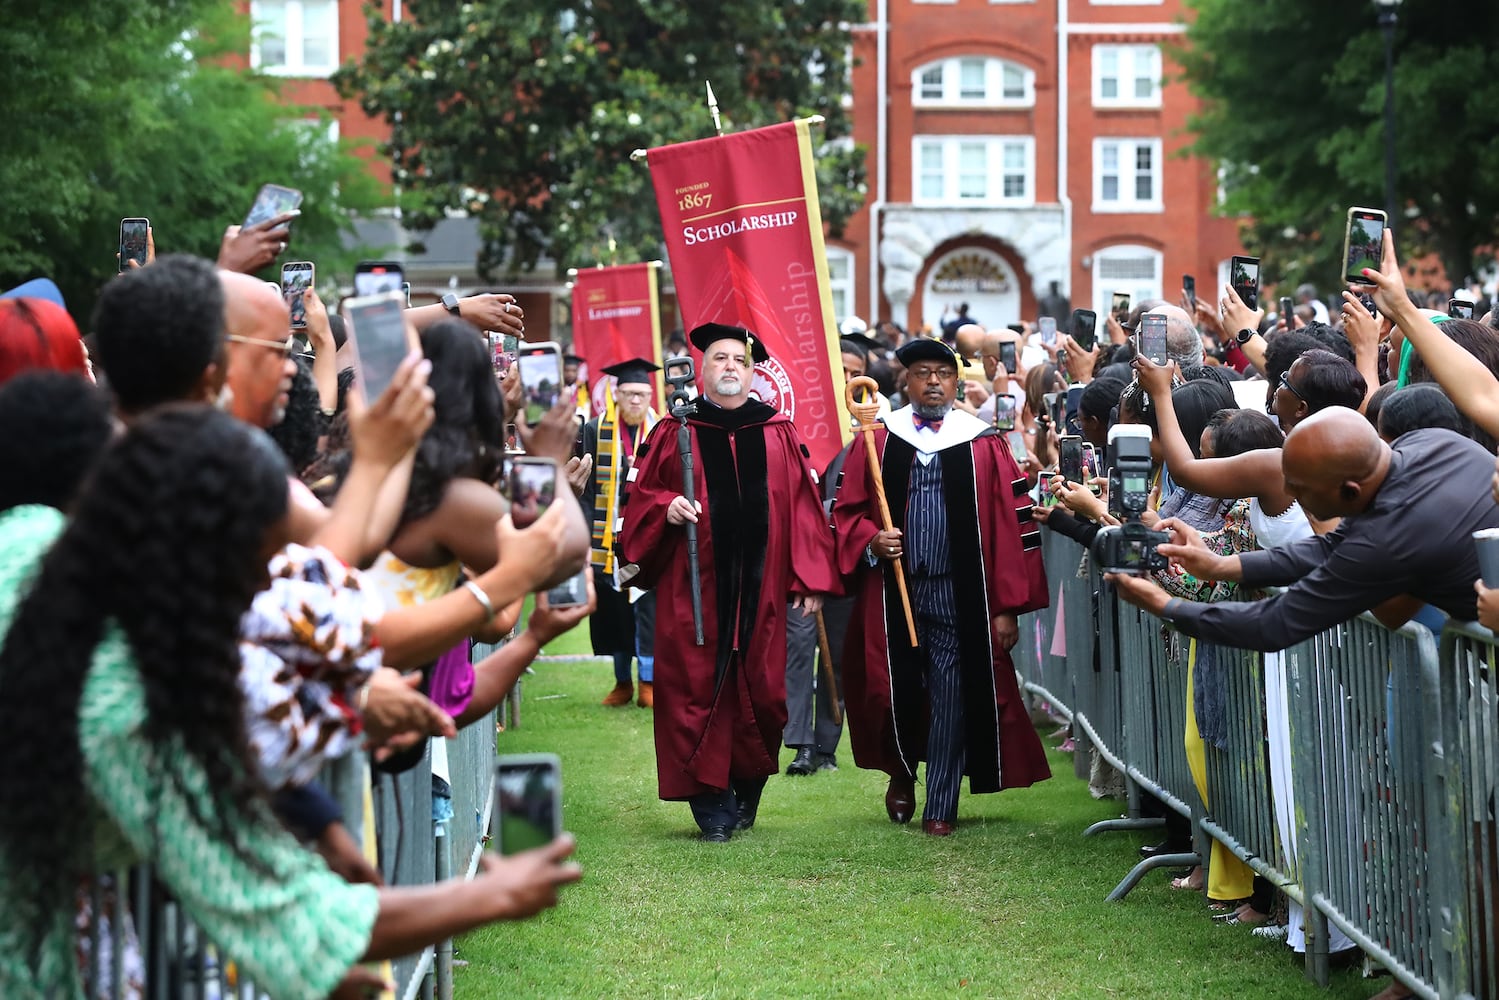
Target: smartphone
(377,329)
(1189,289)
(571,593)
(1090,466)
(540,378)
(271,201)
(1363,244)
(512,441)
(376,277)
(406,290)
(1287,311)
(533,487)
(1048,327)
(1244,275)
(1007,356)
(1070,462)
(1004,412)
(1083,328)
(527,800)
(1120,307)
(133,234)
(1459,308)
(1017,445)
(501,353)
(1368,301)
(296,277)
(1054,412)
(1153,337)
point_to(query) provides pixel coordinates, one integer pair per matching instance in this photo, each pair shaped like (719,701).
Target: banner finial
(713,109)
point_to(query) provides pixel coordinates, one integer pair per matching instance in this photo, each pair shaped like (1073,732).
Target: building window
(975,170)
(1126,76)
(294,37)
(1127,175)
(841,282)
(974,81)
(1135,270)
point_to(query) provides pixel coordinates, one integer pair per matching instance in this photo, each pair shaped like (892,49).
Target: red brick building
(1012,143)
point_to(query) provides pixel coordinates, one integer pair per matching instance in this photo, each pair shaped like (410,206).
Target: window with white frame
(841,282)
(1127,175)
(294,37)
(974,81)
(1127,76)
(1135,270)
(979,170)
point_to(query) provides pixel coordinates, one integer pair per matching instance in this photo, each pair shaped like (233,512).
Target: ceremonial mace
(866,413)
(681,408)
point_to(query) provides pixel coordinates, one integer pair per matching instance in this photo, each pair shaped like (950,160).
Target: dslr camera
(1129,547)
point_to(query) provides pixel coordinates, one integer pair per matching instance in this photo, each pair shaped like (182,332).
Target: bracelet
(481,597)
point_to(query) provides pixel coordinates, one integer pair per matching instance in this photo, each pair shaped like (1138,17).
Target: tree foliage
(524,112)
(116,110)
(1294,109)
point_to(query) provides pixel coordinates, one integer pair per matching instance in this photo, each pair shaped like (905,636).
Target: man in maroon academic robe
(762,540)
(973,560)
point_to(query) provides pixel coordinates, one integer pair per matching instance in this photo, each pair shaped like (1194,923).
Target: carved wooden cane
(866,412)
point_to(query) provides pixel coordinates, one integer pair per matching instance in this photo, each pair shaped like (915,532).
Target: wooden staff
(866,413)
(825,654)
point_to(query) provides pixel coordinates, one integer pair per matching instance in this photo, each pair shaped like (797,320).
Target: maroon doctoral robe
(762,538)
(996,568)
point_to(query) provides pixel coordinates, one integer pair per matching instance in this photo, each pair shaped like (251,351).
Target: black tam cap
(637,370)
(705,335)
(573,359)
(926,349)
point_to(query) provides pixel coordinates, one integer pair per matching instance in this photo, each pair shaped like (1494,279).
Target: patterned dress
(291,924)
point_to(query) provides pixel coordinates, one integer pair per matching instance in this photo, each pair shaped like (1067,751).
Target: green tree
(524,112)
(1293,98)
(116,110)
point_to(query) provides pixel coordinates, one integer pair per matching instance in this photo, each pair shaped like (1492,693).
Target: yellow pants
(1228,877)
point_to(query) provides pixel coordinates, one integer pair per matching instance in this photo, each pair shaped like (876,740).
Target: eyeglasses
(943,374)
(1285,383)
(285,348)
(633,395)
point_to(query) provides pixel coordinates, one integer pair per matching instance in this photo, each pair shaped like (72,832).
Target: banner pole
(713,110)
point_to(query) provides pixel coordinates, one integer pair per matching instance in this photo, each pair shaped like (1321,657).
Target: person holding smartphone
(762,540)
(966,541)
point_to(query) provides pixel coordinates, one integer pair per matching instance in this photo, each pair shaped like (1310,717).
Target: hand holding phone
(1083,328)
(1459,308)
(1120,308)
(1004,412)
(1363,243)
(1007,356)
(374,277)
(1153,337)
(528,801)
(541,378)
(532,488)
(135,243)
(1189,291)
(1070,461)
(1244,275)
(296,277)
(1287,312)
(380,339)
(1048,327)
(271,201)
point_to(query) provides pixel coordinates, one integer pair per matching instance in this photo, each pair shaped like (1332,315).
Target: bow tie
(930,423)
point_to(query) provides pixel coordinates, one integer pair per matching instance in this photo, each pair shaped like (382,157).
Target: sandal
(1192,881)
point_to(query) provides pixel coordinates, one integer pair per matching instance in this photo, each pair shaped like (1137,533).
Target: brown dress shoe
(621,695)
(937,827)
(900,798)
(647,695)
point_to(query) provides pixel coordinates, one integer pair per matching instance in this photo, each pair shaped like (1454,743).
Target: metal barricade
(1360,788)
(1043,675)
(1465,845)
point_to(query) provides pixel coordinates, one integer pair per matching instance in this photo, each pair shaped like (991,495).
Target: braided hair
(169,542)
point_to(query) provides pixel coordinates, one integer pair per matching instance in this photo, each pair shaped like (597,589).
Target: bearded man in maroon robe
(973,560)
(762,539)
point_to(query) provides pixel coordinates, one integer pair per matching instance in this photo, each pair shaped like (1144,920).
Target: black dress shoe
(716,835)
(746,816)
(1165,847)
(801,764)
(825,762)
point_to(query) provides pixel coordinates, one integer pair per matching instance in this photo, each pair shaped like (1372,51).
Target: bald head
(1334,462)
(971,338)
(1183,343)
(249,301)
(260,369)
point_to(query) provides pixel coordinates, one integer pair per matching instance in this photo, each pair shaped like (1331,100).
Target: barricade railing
(1044,676)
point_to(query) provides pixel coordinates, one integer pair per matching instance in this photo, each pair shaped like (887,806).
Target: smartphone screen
(528,801)
(273,200)
(1004,412)
(1459,308)
(572,593)
(1120,307)
(377,329)
(1070,462)
(1007,356)
(1363,246)
(376,277)
(533,487)
(296,278)
(1189,289)
(1048,325)
(133,242)
(1287,311)
(1054,411)
(540,378)
(1153,337)
(1084,322)
(1017,445)
(1244,275)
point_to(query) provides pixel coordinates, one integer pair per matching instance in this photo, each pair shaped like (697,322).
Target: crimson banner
(616,317)
(744,234)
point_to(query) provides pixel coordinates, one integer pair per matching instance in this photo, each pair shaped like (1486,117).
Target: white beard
(728,387)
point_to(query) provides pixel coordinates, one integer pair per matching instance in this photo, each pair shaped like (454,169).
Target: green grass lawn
(826,898)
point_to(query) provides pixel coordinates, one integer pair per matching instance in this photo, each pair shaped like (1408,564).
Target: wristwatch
(1243,336)
(450,303)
